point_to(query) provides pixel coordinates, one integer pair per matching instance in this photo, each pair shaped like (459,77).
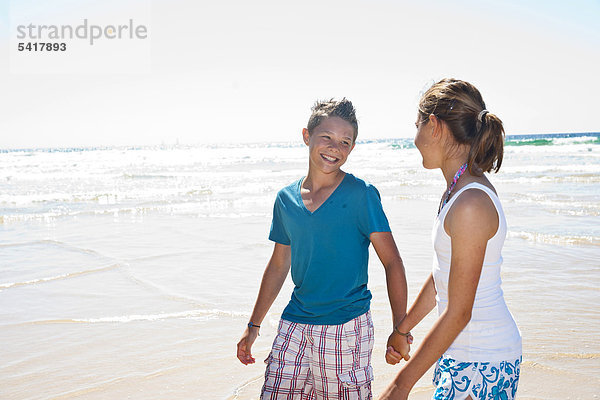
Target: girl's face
(427,143)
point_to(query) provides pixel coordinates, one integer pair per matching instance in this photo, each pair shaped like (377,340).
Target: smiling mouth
(329,158)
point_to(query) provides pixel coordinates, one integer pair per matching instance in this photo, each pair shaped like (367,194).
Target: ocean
(131,272)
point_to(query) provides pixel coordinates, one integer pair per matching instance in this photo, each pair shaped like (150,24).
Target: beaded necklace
(460,171)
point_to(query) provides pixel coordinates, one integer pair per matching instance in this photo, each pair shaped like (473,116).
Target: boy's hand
(398,348)
(244,346)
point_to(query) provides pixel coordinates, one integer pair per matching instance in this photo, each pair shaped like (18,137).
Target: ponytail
(487,148)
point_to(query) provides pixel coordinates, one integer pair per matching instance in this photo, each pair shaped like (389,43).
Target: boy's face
(329,144)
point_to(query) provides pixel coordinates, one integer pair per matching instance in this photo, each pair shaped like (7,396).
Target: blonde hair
(460,105)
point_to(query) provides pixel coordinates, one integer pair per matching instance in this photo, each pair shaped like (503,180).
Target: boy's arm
(386,249)
(272,281)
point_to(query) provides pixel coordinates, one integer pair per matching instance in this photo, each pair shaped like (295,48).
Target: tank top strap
(474,185)
(491,194)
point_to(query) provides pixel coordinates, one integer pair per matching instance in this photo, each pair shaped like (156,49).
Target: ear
(305,136)
(436,125)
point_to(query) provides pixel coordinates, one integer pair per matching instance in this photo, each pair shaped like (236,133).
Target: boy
(322,226)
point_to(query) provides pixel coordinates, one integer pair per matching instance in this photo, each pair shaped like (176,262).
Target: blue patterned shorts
(456,380)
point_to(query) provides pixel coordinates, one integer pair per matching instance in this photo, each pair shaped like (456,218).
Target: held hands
(398,348)
(244,346)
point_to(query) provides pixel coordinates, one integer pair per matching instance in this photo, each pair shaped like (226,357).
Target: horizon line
(255,143)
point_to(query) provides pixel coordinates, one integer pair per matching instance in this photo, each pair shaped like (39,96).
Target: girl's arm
(272,281)
(470,223)
(424,303)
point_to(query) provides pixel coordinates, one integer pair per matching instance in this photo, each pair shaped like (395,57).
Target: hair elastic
(481,115)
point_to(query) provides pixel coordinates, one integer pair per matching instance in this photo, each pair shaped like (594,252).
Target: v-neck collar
(327,200)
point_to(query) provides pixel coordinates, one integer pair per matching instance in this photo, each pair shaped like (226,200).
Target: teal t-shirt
(329,250)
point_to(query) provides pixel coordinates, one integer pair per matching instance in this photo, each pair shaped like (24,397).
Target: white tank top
(491,334)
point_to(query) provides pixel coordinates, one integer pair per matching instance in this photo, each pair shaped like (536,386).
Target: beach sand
(133,274)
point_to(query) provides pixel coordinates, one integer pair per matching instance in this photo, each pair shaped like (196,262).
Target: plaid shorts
(321,361)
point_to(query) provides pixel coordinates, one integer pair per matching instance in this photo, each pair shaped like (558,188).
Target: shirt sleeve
(372,217)
(278,232)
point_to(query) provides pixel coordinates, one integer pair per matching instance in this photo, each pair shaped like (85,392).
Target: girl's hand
(393,392)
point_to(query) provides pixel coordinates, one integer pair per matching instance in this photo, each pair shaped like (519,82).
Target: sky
(238,71)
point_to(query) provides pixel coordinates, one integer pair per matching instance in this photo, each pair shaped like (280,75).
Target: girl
(475,340)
